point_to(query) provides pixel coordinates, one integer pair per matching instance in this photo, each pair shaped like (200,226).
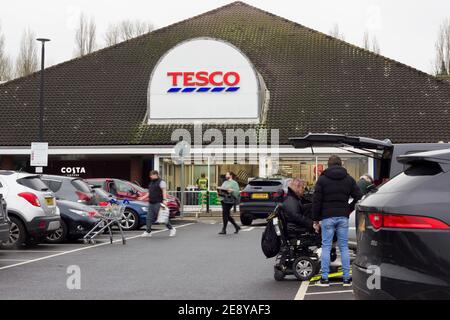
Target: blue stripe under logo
(203,89)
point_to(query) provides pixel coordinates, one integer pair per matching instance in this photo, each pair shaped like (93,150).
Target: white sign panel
(39,154)
(203,79)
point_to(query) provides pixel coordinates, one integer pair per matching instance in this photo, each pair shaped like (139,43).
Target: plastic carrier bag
(163,215)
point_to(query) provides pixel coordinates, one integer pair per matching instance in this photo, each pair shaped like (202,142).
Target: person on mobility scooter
(299,241)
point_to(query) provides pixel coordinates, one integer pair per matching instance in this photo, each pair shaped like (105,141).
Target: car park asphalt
(196,264)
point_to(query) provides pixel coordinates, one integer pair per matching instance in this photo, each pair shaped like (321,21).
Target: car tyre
(17,234)
(304,268)
(59,235)
(246,219)
(130,220)
(278,275)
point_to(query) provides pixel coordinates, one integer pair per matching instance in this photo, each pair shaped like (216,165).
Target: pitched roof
(317,84)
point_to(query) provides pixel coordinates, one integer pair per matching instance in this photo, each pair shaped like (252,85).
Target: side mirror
(371,188)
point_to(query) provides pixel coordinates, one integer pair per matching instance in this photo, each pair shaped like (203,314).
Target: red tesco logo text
(204,78)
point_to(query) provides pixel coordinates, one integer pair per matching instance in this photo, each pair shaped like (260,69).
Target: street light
(41,96)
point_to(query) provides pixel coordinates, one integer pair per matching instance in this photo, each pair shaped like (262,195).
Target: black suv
(403,233)
(260,197)
(4,221)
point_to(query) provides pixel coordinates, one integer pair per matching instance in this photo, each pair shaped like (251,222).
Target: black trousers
(226,215)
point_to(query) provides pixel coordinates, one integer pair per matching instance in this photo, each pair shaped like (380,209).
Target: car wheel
(59,235)
(246,219)
(130,220)
(17,234)
(304,268)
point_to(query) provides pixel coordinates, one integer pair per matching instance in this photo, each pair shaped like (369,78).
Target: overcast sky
(406,29)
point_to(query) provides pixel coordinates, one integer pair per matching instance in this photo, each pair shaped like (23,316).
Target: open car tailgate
(339,141)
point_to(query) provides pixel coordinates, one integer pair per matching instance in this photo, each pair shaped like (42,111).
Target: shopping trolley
(110,215)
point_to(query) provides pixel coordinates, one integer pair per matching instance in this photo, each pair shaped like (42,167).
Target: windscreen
(33,182)
(265,183)
(416,175)
(82,186)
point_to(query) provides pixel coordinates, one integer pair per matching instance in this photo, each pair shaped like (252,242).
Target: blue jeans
(329,227)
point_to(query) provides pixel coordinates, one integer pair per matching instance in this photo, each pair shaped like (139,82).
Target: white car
(31,209)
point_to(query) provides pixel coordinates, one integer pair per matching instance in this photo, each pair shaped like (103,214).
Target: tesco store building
(235,83)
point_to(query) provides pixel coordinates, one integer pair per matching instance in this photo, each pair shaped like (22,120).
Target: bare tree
(334,32)
(5,61)
(85,36)
(27,60)
(442,62)
(375,45)
(370,43)
(125,30)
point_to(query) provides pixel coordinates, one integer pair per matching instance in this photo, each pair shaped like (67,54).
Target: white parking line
(12,260)
(32,251)
(328,292)
(302,291)
(83,248)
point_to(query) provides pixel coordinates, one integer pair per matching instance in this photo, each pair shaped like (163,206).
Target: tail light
(376,219)
(83,197)
(245,194)
(31,198)
(397,221)
(277,194)
(42,224)
(103,204)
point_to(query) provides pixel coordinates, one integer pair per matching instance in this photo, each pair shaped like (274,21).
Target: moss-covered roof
(317,84)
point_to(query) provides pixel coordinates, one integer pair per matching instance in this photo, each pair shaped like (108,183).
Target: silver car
(31,209)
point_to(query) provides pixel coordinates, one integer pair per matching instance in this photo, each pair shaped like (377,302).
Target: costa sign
(204,81)
(207,80)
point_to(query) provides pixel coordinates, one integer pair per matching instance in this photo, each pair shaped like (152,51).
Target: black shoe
(237,229)
(347,283)
(223,232)
(323,283)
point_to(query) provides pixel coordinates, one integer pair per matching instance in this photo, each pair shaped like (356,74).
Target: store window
(310,168)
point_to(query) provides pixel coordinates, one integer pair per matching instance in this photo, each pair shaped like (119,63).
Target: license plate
(260,196)
(50,201)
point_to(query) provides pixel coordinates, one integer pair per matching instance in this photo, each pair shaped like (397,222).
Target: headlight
(80,212)
(145,209)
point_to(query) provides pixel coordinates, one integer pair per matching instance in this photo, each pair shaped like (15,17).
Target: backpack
(270,242)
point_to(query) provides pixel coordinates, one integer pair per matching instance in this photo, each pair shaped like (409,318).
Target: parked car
(4,221)
(404,230)
(135,214)
(74,189)
(76,220)
(384,152)
(260,197)
(32,208)
(122,189)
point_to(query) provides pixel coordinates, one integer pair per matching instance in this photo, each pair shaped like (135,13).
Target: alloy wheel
(14,233)
(128,220)
(56,235)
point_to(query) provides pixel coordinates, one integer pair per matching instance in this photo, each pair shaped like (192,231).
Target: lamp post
(41,95)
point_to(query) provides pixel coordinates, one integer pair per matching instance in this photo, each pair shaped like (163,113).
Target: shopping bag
(163,215)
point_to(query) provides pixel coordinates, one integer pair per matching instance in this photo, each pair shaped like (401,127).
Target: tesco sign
(204,79)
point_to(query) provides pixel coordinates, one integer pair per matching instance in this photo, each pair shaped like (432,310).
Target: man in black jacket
(295,212)
(331,206)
